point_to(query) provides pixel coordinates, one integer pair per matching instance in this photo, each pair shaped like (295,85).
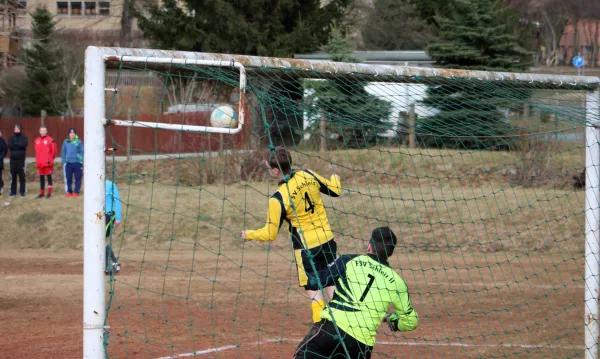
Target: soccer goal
(490,181)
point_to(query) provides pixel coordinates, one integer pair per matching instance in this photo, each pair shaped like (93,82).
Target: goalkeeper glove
(392,319)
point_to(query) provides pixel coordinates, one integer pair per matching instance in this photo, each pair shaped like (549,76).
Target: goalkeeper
(365,286)
(298,202)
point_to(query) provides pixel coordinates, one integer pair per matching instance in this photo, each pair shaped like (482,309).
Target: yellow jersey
(298,202)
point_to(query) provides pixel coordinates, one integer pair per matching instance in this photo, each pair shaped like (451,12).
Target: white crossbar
(186,62)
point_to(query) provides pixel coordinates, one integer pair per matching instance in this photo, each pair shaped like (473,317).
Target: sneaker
(116,267)
(48,195)
(12,195)
(41,195)
(69,195)
(22,196)
(75,195)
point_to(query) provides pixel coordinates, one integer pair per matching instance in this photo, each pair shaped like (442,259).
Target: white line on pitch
(223,348)
(499,285)
(201,352)
(454,344)
(428,343)
(496,285)
(482,345)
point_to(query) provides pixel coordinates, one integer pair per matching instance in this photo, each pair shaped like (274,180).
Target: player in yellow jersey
(298,202)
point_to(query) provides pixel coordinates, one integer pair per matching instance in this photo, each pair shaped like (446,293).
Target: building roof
(586,30)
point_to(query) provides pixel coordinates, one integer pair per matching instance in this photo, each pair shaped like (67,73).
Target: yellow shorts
(322,256)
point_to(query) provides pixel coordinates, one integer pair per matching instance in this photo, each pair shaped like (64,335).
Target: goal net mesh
(479,179)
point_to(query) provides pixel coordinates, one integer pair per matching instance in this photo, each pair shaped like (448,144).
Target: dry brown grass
(383,166)
(437,200)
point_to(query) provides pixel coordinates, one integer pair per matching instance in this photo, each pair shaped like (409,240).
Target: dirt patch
(248,305)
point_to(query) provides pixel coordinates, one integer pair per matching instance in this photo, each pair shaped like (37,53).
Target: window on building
(22,4)
(62,8)
(76,9)
(90,8)
(104,8)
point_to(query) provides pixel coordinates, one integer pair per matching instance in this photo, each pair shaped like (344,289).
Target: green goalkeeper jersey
(364,289)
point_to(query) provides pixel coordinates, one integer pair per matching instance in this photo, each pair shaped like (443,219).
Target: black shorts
(321,256)
(322,341)
(110,222)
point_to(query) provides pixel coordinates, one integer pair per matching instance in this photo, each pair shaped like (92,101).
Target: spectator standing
(17,144)
(3,151)
(72,160)
(45,153)
(113,219)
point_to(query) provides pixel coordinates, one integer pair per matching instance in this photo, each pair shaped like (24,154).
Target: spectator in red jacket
(45,153)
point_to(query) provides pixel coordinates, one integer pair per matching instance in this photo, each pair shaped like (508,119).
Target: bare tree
(11,82)
(73,62)
(554,15)
(125,35)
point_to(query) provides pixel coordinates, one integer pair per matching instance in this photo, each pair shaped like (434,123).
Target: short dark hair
(383,241)
(281,159)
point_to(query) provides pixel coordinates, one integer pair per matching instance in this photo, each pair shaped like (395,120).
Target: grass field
(493,258)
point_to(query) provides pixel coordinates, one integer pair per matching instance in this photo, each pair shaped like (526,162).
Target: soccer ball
(224,116)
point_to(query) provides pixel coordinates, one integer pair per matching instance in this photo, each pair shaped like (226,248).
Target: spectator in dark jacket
(17,144)
(3,151)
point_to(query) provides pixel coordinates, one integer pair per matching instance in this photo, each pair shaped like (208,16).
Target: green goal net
(480,176)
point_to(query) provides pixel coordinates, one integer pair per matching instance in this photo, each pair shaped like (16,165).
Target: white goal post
(98,59)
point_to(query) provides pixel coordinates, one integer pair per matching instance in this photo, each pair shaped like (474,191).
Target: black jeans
(43,181)
(322,342)
(1,179)
(17,169)
(110,255)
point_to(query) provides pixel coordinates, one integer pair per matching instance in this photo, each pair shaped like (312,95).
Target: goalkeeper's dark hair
(281,159)
(383,241)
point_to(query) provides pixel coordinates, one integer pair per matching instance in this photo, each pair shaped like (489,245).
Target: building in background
(9,41)
(94,22)
(581,40)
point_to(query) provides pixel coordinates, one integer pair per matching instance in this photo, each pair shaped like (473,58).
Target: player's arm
(331,187)
(405,317)
(275,218)
(53,151)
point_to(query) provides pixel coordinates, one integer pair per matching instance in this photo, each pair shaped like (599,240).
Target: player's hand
(243,235)
(117,223)
(392,320)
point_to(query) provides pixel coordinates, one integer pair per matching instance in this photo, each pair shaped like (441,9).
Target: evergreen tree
(169,27)
(252,27)
(476,35)
(430,10)
(353,114)
(46,86)
(396,25)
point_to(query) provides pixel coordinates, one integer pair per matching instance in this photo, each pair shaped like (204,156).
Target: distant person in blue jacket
(72,160)
(113,219)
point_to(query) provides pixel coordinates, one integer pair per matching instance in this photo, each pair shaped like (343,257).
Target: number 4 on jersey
(308,204)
